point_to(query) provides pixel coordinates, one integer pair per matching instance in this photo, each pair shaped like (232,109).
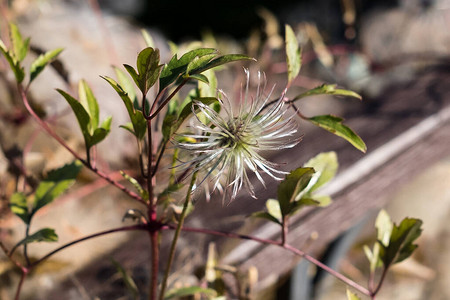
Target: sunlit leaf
(352,296)
(148,68)
(327,89)
(42,61)
(199,77)
(19,206)
(293,54)
(334,125)
(19,45)
(17,69)
(43,235)
(326,165)
(221,60)
(89,102)
(147,38)
(189,291)
(126,85)
(56,182)
(80,113)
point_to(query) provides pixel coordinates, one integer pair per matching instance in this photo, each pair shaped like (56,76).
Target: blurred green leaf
(189,291)
(273,207)
(43,235)
(352,296)
(147,38)
(127,279)
(126,85)
(325,166)
(327,89)
(401,241)
(19,206)
(17,69)
(291,186)
(56,183)
(42,61)
(296,205)
(208,89)
(101,132)
(293,54)
(265,215)
(90,104)
(384,227)
(334,125)
(20,46)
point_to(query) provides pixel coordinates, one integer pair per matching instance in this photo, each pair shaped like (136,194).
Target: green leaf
(19,206)
(177,67)
(20,46)
(87,99)
(209,89)
(18,71)
(142,192)
(139,124)
(325,165)
(291,186)
(199,77)
(127,279)
(293,54)
(199,62)
(265,215)
(43,235)
(327,89)
(273,207)
(334,125)
(352,296)
(221,60)
(296,205)
(189,291)
(148,68)
(147,38)
(80,113)
(56,183)
(401,241)
(126,85)
(100,133)
(42,61)
(132,73)
(384,227)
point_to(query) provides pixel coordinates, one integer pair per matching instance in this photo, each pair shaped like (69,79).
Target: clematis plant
(214,139)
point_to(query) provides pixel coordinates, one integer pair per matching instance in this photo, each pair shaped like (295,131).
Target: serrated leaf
(352,296)
(327,89)
(291,186)
(80,113)
(293,54)
(19,206)
(43,235)
(17,69)
(177,67)
(325,166)
(42,61)
(19,45)
(334,125)
(56,183)
(189,291)
(401,241)
(127,279)
(89,102)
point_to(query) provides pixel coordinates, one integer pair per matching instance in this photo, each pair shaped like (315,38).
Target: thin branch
(164,103)
(187,201)
(288,247)
(120,229)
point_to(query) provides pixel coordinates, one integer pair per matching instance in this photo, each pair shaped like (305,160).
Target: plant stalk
(187,201)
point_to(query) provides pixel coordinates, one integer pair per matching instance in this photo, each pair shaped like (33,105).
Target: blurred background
(396,54)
